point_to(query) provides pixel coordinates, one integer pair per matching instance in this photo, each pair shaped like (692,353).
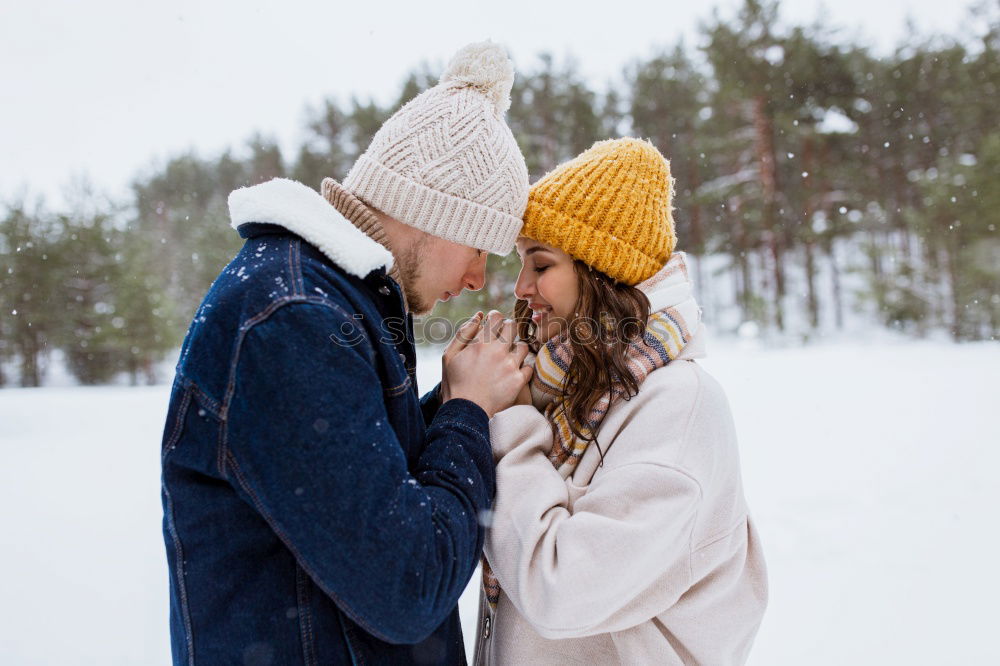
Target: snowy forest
(818,185)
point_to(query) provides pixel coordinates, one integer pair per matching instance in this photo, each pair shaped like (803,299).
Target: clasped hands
(484,363)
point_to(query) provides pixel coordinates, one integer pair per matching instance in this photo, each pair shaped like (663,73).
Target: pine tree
(323,155)
(87,304)
(29,284)
(668,101)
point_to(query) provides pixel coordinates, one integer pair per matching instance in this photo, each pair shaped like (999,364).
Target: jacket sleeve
(615,559)
(430,403)
(309,444)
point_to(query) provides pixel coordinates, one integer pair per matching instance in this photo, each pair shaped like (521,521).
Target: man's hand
(524,395)
(484,365)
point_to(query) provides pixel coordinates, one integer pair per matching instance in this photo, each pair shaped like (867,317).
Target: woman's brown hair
(609,316)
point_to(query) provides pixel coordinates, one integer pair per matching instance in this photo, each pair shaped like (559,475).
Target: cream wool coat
(650,558)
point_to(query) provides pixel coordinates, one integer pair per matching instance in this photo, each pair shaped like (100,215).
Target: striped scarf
(674,318)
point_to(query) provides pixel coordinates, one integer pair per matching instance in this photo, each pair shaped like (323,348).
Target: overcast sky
(106,88)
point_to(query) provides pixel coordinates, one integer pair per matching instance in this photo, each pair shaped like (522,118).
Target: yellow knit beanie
(610,207)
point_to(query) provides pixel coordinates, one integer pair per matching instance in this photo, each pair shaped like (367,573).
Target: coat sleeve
(309,444)
(618,557)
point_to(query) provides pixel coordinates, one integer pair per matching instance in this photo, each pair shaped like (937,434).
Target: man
(315,511)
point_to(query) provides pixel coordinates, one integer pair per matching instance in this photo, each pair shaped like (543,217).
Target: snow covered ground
(871,471)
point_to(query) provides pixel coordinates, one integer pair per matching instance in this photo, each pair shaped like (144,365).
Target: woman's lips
(538,311)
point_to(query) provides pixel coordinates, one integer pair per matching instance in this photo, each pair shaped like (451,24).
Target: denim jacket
(315,510)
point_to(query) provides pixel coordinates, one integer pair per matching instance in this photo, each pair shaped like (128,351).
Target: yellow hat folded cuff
(595,247)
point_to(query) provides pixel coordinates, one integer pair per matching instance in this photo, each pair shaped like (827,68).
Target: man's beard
(409,274)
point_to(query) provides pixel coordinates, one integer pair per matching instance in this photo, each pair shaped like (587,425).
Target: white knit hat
(446,162)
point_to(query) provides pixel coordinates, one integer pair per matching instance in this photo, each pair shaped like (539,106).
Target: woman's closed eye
(540,269)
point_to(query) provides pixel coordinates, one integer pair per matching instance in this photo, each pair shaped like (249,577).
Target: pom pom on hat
(446,163)
(486,67)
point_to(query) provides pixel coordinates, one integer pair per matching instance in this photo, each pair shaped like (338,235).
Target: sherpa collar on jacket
(302,211)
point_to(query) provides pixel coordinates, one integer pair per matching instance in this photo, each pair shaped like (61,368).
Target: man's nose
(475,279)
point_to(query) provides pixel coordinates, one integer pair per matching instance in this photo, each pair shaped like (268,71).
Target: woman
(620,533)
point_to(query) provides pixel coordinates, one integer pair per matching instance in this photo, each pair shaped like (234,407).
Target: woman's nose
(523,286)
